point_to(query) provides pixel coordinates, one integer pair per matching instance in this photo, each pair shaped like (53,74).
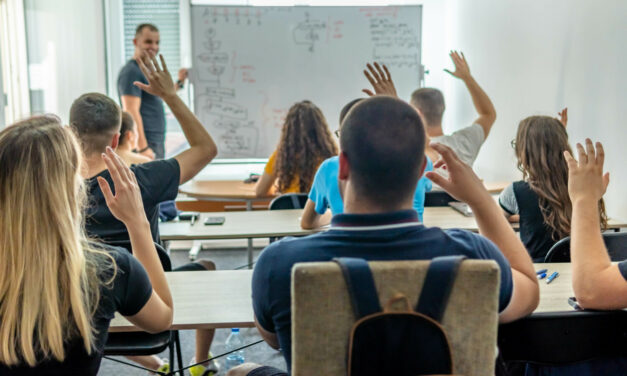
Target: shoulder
(156,169)
(129,68)
(474,245)
(329,166)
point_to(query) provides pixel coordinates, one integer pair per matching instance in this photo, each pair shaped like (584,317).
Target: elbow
(306,225)
(164,323)
(588,295)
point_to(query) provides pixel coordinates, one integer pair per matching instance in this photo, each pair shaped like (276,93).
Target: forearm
(481,101)
(144,250)
(195,133)
(137,118)
(588,253)
(494,226)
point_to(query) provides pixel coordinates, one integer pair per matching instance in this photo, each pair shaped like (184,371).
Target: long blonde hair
(50,282)
(540,144)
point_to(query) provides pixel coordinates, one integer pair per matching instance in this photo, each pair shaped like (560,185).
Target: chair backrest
(615,242)
(322,314)
(437,198)
(161,252)
(289,201)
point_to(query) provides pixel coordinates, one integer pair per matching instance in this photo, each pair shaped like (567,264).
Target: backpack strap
(437,286)
(360,285)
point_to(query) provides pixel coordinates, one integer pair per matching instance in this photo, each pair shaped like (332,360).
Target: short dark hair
(143,26)
(384,141)
(96,119)
(430,102)
(128,124)
(347,108)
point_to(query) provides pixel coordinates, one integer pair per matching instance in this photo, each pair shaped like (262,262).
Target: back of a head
(430,102)
(128,125)
(384,141)
(46,294)
(347,107)
(305,142)
(540,144)
(95,118)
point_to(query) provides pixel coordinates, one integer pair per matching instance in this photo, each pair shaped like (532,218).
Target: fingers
(374,73)
(368,92)
(140,85)
(449,72)
(590,151)
(165,67)
(570,161)
(147,59)
(600,154)
(437,179)
(370,79)
(606,181)
(153,60)
(380,72)
(583,157)
(142,66)
(447,154)
(119,164)
(106,190)
(113,171)
(387,72)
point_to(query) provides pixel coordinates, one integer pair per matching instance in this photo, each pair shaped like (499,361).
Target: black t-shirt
(128,293)
(151,108)
(622,267)
(536,235)
(158,181)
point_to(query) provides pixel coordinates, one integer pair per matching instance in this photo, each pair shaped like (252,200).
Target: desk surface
(222,299)
(271,223)
(238,190)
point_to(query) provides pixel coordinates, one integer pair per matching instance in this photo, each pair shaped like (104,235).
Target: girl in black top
(540,201)
(58,290)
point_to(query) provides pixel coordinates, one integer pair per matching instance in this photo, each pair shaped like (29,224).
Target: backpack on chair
(408,342)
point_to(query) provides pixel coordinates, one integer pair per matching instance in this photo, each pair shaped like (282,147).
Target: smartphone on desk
(209,221)
(189,215)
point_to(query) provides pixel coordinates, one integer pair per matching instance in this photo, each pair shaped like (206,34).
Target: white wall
(536,57)
(66,51)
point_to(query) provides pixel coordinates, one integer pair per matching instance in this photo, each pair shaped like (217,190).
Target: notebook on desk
(461,207)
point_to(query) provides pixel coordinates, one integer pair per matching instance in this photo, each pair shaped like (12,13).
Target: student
(95,118)
(429,102)
(305,142)
(598,284)
(378,222)
(59,291)
(325,189)
(128,142)
(540,201)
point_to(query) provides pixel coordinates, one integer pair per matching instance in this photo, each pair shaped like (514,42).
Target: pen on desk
(541,276)
(542,271)
(552,277)
(193,219)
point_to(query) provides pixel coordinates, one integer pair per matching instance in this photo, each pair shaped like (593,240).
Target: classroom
(316,187)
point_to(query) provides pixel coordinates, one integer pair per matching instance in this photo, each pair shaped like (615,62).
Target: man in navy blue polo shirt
(382,147)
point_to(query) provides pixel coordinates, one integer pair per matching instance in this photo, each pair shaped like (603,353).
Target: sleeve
(507,200)
(468,142)
(125,82)
(158,180)
(261,290)
(318,192)
(622,268)
(480,247)
(269,169)
(428,184)
(132,287)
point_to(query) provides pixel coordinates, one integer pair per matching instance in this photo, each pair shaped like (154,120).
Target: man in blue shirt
(382,147)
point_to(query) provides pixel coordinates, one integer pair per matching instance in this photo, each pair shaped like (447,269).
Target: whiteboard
(250,64)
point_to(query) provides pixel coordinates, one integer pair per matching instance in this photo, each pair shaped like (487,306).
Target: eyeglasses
(337,133)
(513,143)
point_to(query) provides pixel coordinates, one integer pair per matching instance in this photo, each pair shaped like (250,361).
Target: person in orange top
(305,142)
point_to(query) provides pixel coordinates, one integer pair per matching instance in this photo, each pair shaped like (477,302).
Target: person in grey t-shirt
(429,102)
(145,108)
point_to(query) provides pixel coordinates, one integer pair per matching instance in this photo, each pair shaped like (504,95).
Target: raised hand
(159,79)
(563,116)
(586,180)
(126,204)
(381,81)
(462,183)
(462,71)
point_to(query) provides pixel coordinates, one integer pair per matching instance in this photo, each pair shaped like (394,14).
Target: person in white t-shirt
(429,102)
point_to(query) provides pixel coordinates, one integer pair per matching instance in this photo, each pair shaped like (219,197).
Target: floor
(227,255)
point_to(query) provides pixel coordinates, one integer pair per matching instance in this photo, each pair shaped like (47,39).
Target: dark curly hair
(305,142)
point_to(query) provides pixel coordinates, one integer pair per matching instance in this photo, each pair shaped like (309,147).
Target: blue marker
(543,271)
(552,277)
(541,276)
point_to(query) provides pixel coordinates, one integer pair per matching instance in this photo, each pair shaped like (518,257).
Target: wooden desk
(222,190)
(205,300)
(496,187)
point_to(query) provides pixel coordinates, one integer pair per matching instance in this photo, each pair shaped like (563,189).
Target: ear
(344,167)
(115,141)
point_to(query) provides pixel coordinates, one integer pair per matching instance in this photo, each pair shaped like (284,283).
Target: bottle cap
(235,330)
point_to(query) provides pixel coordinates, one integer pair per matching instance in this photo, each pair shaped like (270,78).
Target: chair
(437,198)
(616,244)
(322,315)
(142,343)
(288,201)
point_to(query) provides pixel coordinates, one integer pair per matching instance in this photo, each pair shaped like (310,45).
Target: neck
(125,147)
(353,204)
(434,130)
(94,165)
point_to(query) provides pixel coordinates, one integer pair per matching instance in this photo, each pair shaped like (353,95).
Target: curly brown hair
(305,142)
(540,144)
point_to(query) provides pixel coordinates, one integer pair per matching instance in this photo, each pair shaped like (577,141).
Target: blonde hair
(540,144)
(50,285)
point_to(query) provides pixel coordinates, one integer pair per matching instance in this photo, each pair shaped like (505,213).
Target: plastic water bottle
(233,342)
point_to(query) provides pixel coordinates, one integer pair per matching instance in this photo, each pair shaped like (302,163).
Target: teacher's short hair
(143,26)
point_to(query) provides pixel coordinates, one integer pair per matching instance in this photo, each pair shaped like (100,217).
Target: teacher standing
(146,109)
